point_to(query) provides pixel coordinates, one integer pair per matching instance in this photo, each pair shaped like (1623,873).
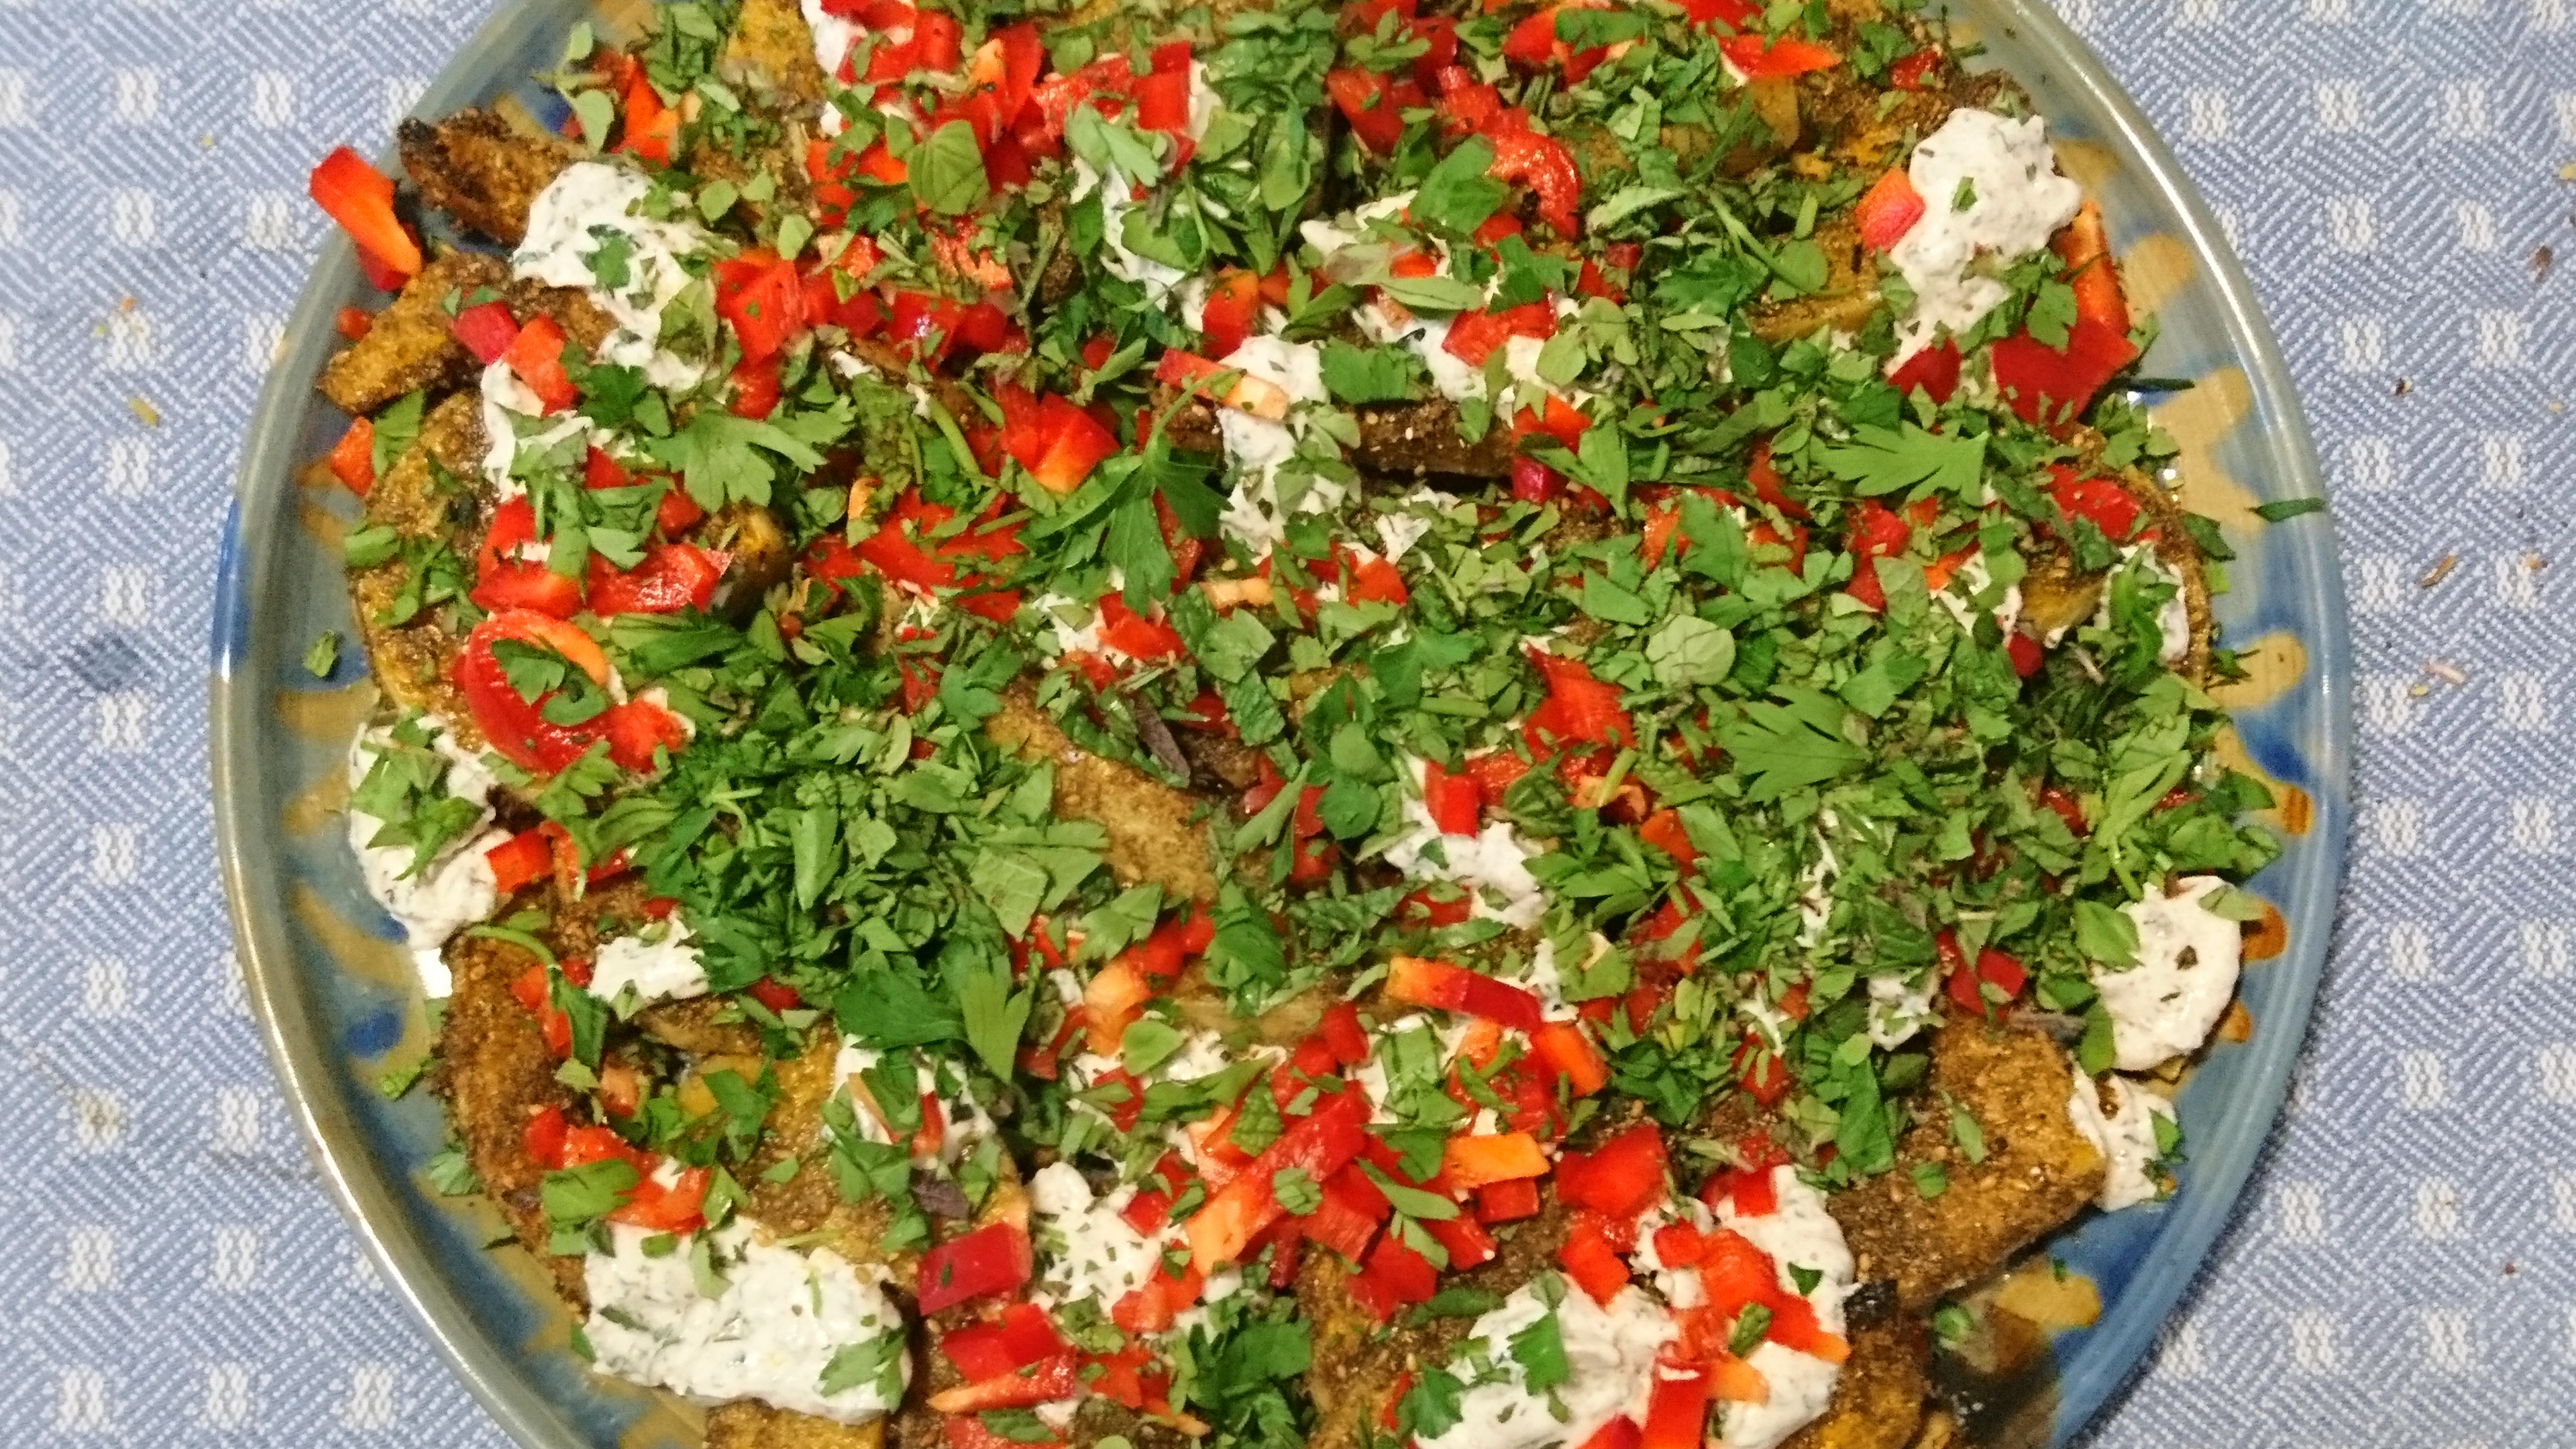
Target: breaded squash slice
(2038,1170)
(408,348)
(424,504)
(482,170)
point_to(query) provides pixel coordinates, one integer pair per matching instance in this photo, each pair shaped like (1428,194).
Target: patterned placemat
(2393,176)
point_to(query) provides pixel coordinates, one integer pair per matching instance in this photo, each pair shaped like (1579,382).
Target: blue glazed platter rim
(326,1028)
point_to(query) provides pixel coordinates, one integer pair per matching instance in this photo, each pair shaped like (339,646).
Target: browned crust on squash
(410,660)
(482,170)
(408,347)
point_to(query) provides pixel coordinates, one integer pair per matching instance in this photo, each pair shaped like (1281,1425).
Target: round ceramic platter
(338,999)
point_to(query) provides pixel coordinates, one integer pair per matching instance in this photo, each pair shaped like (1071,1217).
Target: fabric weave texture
(2401,1269)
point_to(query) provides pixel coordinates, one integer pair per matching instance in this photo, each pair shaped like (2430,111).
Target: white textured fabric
(2401,1273)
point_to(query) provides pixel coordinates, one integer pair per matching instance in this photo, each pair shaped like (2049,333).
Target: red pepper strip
(1777,60)
(763,298)
(504,580)
(995,1258)
(1620,1179)
(2085,247)
(1507,1202)
(671,577)
(1564,1047)
(1321,1144)
(1232,311)
(1876,532)
(1344,1222)
(2101,501)
(1676,1408)
(361,199)
(516,728)
(1374,107)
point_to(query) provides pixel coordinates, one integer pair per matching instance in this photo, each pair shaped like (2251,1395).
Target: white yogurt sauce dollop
(571,218)
(457,889)
(659,963)
(1609,1352)
(2126,1138)
(768,1336)
(2188,955)
(2016,202)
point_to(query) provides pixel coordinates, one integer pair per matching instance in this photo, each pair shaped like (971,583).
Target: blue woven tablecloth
(2391,174)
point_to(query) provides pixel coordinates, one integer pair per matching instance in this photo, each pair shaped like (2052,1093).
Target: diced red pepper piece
(1363,97)
(992,1259)
(353,458)
(1620,1433)
(2085,248)
(1080,444)
(763,299)
(1935,369)
(516,728)
(1676,1408)
(1760,1072)
(1543,165)
(637,729)
(1045,1381)
(1022,1336)
(1469,1162)
(1258,396)
(1874,531)
(2100,501)
(487,330)
(1993,968)
(1619,1180)
(1474,336)
(353,323)
(1466,1240)
(536,355)
(1778,59)
(671,577)
(522,858)
(1454,801)
(1232,310)
(1397,1275)
(1565,1049)
(1342,1032)
(1578,708)
(543,1137)
(361,199)
(1508,1201)
(1591,1262)
(1344,1221)
(1889,209)
(2048,385)
(1320,1144)
(1918,71)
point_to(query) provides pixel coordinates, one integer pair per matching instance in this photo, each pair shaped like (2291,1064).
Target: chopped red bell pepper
(543,1137)
(1474,336)
(1620,1433)
(639,727)
(353,323)
(1889,209)
(992,1259)
(1566,1050)
(353,458)
(1163,1297)
(536,355)
(1676,1408)
(1022,1336)
(487,330)
(1967,988)
(1544,165)
(515,728)
(1396,1276)
(1232,311)
(1778,59)
(1621,1179)
(1760,1072)
(1344,1222)
(524,857)
(1320,1144)
(2099,501)
(1470,1162)
(671,577)
(505,580)
(1935,369)
(1258,396)
(2048,385)
(1591,1262)
(1455,801)
(361,199)
(1919,71)
(1508,1201)
(1578,708)
(1369,104)
(1465,1239)
(649,127)
(1045,1381)
(1419,982)
(763,298)
(755,389)
(1874,532)
(2084,246)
